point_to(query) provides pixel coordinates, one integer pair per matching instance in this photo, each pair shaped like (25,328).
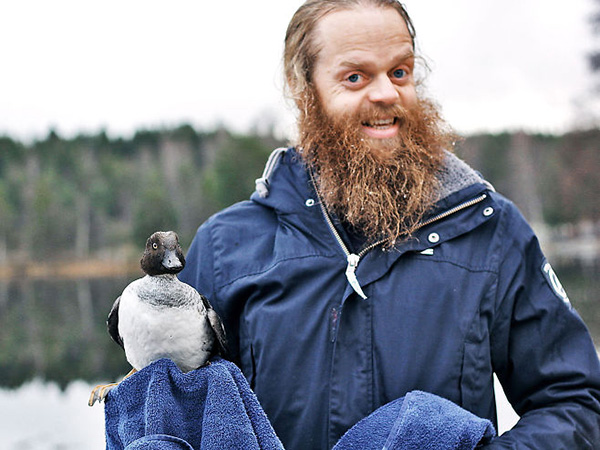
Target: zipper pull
(351,274)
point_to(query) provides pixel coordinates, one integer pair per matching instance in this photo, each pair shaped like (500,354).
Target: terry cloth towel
(418,421)
(161,407)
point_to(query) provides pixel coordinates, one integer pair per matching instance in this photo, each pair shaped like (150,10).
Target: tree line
(92,195)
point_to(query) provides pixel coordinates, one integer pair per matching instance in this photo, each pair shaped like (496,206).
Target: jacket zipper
(354,258)
(456,209)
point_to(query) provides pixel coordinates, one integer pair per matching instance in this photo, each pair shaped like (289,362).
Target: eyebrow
(354,64)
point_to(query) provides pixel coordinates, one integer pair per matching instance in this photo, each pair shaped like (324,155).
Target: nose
(383,91)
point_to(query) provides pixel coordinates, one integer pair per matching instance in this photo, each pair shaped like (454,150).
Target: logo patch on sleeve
(554,282)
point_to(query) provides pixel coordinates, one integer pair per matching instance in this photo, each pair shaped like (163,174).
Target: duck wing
(216,325)
(112,323)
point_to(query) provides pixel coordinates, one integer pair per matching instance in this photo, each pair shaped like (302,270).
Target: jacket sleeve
(200,273)
(542,352)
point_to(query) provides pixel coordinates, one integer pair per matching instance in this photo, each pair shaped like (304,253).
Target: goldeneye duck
(157,316)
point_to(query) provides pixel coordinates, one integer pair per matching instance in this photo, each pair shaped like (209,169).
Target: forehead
(361,34)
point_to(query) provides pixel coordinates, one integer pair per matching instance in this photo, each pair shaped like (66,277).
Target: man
(371,262)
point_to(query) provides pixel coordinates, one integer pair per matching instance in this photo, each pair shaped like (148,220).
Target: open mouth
(382,128)
(381,124)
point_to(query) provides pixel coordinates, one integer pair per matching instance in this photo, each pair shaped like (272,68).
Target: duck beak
(171,261)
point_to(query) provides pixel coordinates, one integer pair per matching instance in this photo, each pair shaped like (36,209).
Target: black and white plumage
(158,316)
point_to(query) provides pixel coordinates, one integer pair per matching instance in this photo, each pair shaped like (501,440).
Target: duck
(158,316)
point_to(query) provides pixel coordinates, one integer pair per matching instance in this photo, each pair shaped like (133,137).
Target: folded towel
(212,407)
(418,421)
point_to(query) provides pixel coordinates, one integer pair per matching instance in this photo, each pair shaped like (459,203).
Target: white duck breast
(161,317)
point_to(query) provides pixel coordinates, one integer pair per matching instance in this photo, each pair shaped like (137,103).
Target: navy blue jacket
(469,295)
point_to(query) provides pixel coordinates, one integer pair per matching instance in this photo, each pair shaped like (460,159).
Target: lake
(54,348)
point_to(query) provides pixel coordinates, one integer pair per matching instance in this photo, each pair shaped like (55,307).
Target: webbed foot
(100,392)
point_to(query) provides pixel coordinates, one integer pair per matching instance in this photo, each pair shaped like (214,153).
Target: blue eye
(354,78)
(399,73)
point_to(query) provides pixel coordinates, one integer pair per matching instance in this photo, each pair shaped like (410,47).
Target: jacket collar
(456,175)
(285,183)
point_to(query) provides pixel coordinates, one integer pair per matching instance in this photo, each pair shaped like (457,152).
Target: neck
(164,276)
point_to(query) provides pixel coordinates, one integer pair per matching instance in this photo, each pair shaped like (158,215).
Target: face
(364,67)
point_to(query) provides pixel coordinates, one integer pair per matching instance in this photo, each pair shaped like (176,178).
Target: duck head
(163,254)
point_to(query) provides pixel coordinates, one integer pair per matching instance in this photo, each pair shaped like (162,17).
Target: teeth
(384,122)
(381,123)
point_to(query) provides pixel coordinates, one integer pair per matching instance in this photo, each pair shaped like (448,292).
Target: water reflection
(55,330)
(581,280)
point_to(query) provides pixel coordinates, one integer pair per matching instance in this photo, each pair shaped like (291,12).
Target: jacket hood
(285,184)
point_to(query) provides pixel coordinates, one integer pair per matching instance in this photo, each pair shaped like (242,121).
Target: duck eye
(154,245)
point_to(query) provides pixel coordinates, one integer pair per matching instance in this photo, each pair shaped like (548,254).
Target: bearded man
(372,262)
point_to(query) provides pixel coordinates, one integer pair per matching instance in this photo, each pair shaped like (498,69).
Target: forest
(96,197)
(91,196)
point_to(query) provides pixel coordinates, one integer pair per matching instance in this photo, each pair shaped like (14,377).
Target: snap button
(487,212)
(433,238)
(310,202)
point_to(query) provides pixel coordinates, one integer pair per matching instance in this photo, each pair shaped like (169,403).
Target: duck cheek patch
(554,283)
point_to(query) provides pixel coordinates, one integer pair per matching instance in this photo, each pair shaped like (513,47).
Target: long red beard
(381,189)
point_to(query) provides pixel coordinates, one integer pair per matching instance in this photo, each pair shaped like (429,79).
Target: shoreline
(68,269)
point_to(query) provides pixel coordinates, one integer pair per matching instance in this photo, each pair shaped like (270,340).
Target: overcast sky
(121,65)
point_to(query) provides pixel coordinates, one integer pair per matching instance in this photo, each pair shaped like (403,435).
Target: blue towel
(160,407)
(418,421)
